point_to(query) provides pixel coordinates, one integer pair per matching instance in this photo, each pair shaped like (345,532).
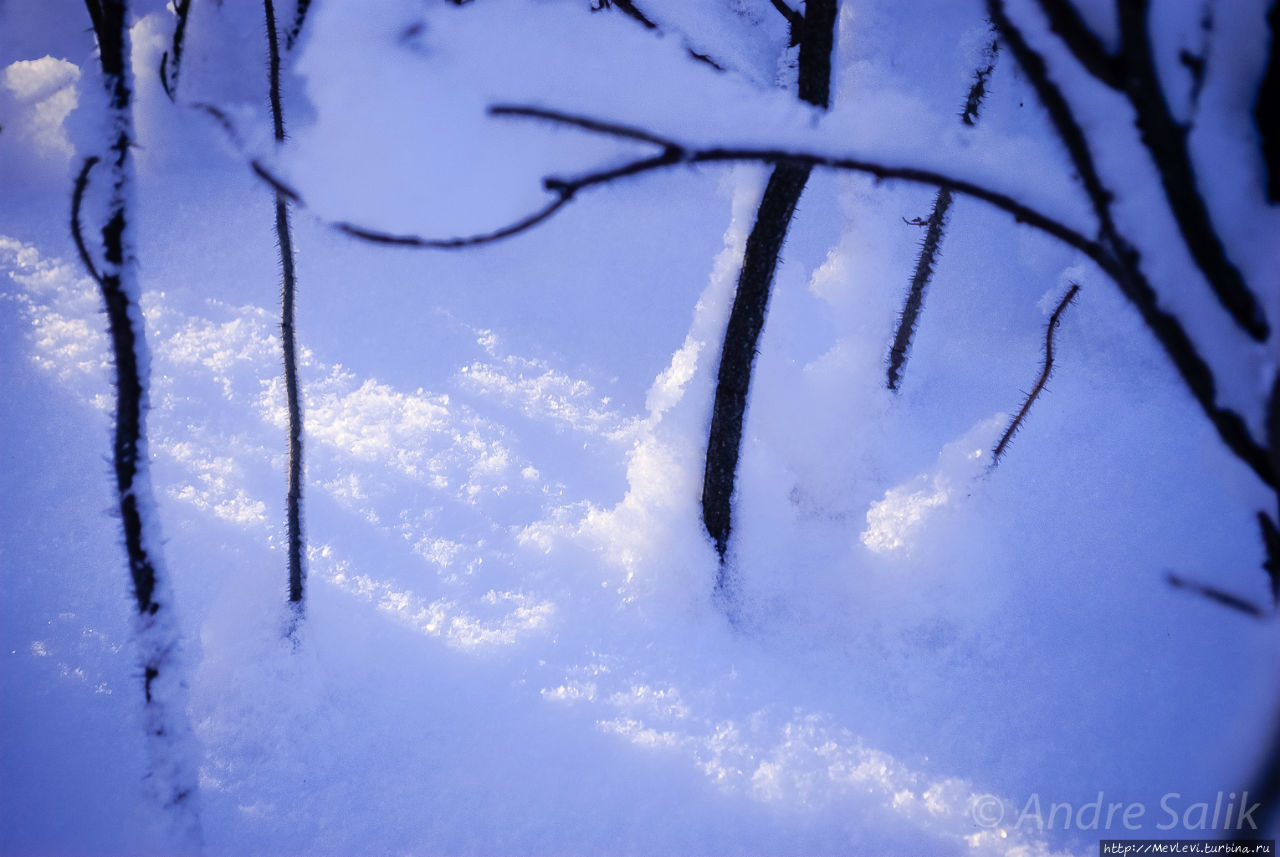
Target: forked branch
(1112,254)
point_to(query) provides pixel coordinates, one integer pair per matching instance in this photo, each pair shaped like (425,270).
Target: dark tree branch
(1084,45)
(299,18)
(1046,370)
(595,126)
(155,630)
(755,283)
(288,338)
(1166,139)
(932,243)
(1120,265)
(1271,549)
(1217,596)
(737,355)
(794,18)
(77,199)
(629,9)
(273,71)
(919,283)
(1266,109)
(978,89)
(171,61)
(1133,72)
(677,153)
(1123,260)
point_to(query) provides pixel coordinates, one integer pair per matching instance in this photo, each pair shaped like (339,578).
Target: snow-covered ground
(512,644)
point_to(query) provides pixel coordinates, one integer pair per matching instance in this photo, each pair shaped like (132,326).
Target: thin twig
(77,198)
(932,243)
(1217,596)
(919,283)
(171,60)
(1045,371)
(288,339)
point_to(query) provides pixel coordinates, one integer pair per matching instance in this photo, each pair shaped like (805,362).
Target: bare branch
(1084,45)
(932,242)
(794,18)
(288,338)
(1113,254)
(586,123)
(454,243)
(299,18)
(1217,596)
(1266,109)
(919,282)
(77,198)
(1123,260)
(629,9)
(1166,140)
(1045,371)
(978,89)
(171,61)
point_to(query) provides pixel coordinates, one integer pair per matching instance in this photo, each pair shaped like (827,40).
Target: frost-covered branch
(1084,45)
(932,243)
(1133,72)
(1122,260)
(674,154)
(170,769)
(633,12)
(288,339)
(1166,139)
(1046,369)
(1112,253)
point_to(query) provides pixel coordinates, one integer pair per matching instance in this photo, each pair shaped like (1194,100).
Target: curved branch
(171,61)
(1045,371)
(77,198)
(1112,255)
(519,226)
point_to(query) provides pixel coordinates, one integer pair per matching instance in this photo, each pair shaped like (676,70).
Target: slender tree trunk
(170,771)
(284,237)
(755,282)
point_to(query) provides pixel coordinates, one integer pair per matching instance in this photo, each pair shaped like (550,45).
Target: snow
(511,644)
